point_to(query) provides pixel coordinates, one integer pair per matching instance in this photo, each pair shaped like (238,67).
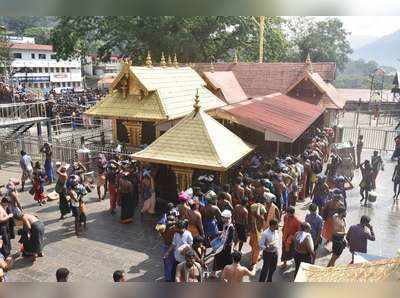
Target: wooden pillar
(183,178)
(114,129)
(223,178)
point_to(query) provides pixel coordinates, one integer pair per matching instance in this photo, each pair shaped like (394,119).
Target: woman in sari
(38,184)
(148,195)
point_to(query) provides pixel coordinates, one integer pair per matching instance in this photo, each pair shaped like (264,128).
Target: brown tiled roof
(278,116)
(227,84)
(31,46)
(259,79)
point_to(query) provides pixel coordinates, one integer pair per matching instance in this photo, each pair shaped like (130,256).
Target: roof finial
(162,62)
(235,58)
(148,60)
(212,66)
(196,102)
(309,64)
(169,63)
(176,64)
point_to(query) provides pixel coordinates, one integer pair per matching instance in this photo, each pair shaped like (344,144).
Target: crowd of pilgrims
(205,227)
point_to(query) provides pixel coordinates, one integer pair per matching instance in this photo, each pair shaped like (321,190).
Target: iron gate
(374,138)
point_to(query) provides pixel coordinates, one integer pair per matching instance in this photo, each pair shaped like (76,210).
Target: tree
(5,57)
(18,25)
(193,39)
(41,34)
(324,40)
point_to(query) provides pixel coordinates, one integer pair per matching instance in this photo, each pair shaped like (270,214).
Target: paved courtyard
(109,245)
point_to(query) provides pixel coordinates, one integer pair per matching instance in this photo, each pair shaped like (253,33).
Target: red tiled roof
(259,79)
(31,46)
(276,114)
(226,82)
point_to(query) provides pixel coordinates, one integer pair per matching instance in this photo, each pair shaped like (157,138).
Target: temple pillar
(134,129)
(114,129)
(183,178)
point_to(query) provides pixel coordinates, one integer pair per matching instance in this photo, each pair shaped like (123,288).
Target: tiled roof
(278,116)
(259,79)
(227,84)
(31,46)
(197,141)
(374,271)
(331,98)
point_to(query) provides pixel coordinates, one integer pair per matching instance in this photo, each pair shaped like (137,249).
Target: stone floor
(109,245)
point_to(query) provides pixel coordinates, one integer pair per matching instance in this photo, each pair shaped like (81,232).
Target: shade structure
(198,141)
(374,271)
(281,118)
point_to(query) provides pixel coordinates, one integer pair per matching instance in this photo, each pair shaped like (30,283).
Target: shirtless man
(338,237)
(195,224)
(211,215)
(236,272)
(189,270)
(237,192)
(35,230)
(241,221)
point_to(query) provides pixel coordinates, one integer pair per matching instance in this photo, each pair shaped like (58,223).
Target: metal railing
(374,138)
(16,111)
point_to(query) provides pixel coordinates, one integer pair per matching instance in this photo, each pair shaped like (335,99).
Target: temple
(144,102)
(197,142)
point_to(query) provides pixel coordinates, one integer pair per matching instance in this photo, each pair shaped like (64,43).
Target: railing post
(385,141)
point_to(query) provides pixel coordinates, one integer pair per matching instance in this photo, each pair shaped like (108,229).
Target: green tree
(193,39)
(41,34)
(5,57)
(324,40)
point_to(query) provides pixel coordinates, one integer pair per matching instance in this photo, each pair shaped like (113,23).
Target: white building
(37,67)
(95,67)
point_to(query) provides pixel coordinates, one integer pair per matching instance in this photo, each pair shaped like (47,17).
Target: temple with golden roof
(145,101)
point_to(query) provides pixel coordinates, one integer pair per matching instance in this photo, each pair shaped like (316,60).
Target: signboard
(60,76)
(42,79)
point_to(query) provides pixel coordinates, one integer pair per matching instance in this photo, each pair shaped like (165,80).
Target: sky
(376,26)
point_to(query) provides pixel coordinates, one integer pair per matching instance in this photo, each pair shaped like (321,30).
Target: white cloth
(178,241)
(269,237)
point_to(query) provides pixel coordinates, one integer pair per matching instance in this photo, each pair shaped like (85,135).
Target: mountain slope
(385,50)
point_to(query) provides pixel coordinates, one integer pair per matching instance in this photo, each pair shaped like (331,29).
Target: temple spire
(309,64)
(196,105)
(212,66)
(169,63)
(162,62)
(148,60)
(176,64)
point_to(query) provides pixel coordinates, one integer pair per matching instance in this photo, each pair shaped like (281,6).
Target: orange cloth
(271,214)
(327,230)
(291,225)
(194,230)
(255,248)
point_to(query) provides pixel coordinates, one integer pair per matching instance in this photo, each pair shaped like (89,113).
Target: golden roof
(171,90)
(331,98)
(114,104)
(374,271)
(197,141)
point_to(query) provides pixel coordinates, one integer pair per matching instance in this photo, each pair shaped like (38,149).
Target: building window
(39,69)
(34,69)
(53,56)
(35,85)
(17,55)
(57,69)
(68,70)
(73,84)
(46,69)
(42,56)
(41,85)
(63,84)
(78,84)
(62,69)
(51,69)
(33,56)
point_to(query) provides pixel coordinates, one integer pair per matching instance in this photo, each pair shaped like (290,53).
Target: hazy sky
(371,25)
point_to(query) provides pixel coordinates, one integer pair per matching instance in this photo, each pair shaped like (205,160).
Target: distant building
(95,67)
(35,65)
